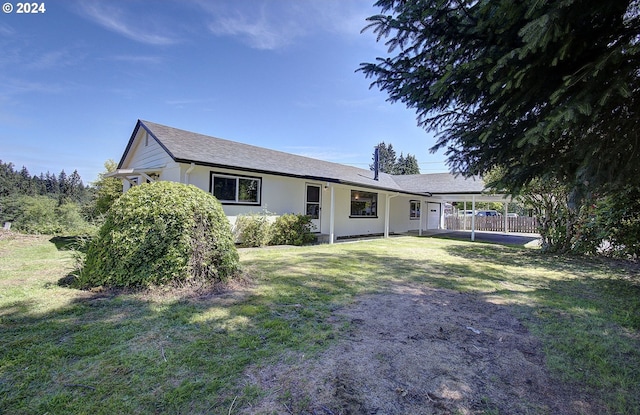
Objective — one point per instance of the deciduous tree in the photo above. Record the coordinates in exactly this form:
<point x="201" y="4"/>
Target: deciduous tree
<point x="109" y="189"/>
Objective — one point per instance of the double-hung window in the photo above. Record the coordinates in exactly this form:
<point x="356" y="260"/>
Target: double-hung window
<point x="236" y="189"/>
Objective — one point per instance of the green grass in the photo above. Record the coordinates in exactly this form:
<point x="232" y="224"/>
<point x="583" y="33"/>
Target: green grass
<point x="76" y="352"/>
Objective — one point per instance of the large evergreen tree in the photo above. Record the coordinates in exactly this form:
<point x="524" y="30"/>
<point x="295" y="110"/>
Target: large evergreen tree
<point x="542" y="88"/>
<point x="407" y="165"/>
<point x="7" y="179"/>
<point x="386" y="158"/>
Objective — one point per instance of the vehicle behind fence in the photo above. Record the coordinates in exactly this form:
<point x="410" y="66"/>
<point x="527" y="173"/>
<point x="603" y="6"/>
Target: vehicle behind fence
<point x="523" y="224"/>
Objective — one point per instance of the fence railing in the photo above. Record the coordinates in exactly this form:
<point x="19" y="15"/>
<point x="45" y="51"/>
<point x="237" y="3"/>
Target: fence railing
<point x="523" y="224"/>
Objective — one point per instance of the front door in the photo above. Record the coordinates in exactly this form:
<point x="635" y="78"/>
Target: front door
<point x="312" y="205"/>
<point x="433" y="216"/>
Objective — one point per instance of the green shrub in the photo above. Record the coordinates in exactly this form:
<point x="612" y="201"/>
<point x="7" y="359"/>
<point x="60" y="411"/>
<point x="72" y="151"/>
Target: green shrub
<point x="290" y="229"/>
<point x="253" y="230"/>
<point x="611" y="226"/>
<point x="44" y="215"/>
<point x="161" y="233"/>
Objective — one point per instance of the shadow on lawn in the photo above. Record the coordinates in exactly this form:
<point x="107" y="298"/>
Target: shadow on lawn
<point x="121" y="351"/>
<point x="70" y="243"/>
<point x="584" y="310"/>
<point x="522" y="257"/>
<point x="126" y="352"/>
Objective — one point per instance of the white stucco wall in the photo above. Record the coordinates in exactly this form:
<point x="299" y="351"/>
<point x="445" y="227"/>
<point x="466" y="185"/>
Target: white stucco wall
<point x="280" y="195"/>
<point x="399" y="219"/>
<point x="344" y="224"/>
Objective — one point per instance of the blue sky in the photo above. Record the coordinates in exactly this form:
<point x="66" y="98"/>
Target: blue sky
<point x="274" y="73"/>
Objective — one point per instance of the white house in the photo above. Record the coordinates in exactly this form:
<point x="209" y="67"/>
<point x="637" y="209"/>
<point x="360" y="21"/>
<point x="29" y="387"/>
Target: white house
<point x="342" y="200"/>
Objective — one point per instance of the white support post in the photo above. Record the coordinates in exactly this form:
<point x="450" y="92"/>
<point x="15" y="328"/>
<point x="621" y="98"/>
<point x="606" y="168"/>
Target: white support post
<point x="473" y="218"/>
<point x="387" y="205"/>
<point x="464" y="216"/>
<point x="506" y="218"/>
<point x="422" y="202"/>
<point x="386" y="213"/>
<point x="332" y="212"/>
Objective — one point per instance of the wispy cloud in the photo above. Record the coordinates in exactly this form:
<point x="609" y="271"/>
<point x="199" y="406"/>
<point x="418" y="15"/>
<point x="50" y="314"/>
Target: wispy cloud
<point x="275" y="24"/>
<point x="358" y="103"/>
<point x="116" y="20"/>
<point x="181" y="103"/>
<point x="54" y="59"/>
<point x="19" y="86"/>
<point x="6" y="30"/>
<point x="149" y="59"/>
<point x="321" y="153"/>
<point x="257" y="28"/>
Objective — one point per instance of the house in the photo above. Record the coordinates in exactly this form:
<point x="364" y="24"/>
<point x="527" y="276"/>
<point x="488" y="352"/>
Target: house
<point x="342" y="200"/>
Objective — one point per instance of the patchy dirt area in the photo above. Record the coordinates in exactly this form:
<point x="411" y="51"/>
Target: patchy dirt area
<point x="420" y="351"/>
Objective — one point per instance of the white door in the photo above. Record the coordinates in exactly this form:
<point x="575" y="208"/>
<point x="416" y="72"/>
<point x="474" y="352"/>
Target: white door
<point x="433" y="215"/>
<point x="312" y="205"/>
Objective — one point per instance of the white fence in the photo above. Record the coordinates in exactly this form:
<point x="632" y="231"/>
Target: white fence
<point x="523" y="224"/>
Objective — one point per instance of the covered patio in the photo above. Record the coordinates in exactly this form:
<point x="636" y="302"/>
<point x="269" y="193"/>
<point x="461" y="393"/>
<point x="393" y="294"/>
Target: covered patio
<point x="446" y="189"/>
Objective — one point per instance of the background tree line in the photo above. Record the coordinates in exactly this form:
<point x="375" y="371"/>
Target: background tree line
<point x="54" y="204"/>
<point x="389" y="163"/>
<point x="62" y="186"/>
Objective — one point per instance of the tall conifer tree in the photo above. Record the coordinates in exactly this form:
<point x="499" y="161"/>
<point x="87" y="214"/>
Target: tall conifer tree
<point x="541" y="88"/>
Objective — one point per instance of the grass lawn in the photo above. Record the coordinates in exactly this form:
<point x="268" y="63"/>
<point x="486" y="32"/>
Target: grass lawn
<point x="65" y="351"/>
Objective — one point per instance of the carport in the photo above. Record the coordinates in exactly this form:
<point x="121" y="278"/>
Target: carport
<point x="447" y="188"/>
<point x="469" y="201"/>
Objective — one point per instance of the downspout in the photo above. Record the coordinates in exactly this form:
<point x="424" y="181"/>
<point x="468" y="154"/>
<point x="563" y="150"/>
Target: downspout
<point x="188" y="172"/>
<point x="386" y="214"/>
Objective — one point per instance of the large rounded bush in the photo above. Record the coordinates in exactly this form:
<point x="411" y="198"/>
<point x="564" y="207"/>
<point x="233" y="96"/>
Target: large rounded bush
<point x="159" y="233"/>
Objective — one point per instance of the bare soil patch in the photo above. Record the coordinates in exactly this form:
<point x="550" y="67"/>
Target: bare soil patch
<point x="420" y="351"/>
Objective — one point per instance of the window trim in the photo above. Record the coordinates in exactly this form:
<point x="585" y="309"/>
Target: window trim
<point x="411" y="210"/>
<point x="237" y="177"/>
<point x="375" y="205"/>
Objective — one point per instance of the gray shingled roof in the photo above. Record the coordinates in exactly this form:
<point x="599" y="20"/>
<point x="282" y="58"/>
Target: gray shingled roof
<point x="189" y="147"/>
<point x="440" y="183"/>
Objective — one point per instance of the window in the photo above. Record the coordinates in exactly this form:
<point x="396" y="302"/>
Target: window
<point x="414" y="209"/>
<point x="236" y="189"/>
<point x="364" y="204"/>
